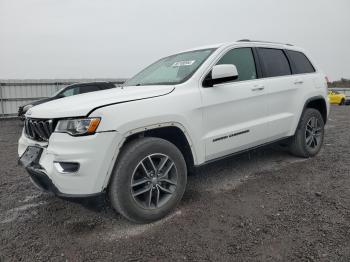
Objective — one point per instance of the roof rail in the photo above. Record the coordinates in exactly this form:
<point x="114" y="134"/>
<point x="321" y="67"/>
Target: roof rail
<point x="258" y="41"/>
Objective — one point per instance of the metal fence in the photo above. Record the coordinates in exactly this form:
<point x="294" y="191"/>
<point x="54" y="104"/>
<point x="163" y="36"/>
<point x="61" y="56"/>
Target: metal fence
<point x="345" y="91"/>
<point x="14" y="93"/>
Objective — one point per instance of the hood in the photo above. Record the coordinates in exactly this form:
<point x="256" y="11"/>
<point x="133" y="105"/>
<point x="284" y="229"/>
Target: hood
<point x="44" y="100"/>
<point x="81" y="105"/>
<point x="38" y="102"/>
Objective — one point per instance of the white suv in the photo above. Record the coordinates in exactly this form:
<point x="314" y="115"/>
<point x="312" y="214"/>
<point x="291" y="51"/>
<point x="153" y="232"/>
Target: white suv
<point x="136" y="144"/>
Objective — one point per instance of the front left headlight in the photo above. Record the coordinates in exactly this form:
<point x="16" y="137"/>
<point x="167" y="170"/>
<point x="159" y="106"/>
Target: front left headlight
<point x="78" y="126"/>
<point x="26" y="108"/>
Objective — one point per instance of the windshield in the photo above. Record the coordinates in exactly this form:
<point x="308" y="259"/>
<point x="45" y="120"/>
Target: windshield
<point x="57" y="92"/>
<point x="173" y="69"/>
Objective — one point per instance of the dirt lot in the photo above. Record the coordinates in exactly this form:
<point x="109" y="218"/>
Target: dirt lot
<point x="260" y="206"/>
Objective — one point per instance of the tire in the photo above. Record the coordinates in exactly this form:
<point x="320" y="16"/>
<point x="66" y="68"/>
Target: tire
<point x="342" y="102"/>
<point x="307" y="141"/>
<point x="164" y="189"/>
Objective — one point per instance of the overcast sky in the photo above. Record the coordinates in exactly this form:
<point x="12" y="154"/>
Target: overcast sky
<point x="105" y="38"/>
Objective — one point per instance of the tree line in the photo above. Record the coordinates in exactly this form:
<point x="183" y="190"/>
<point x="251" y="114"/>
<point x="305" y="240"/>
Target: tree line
<point x="340" y="83"/>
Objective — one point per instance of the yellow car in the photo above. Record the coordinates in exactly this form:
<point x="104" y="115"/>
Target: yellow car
<point x="336" y="98"/>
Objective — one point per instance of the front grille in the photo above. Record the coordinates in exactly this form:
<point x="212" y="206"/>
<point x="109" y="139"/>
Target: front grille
<point x="20" y="110"/>
<point x="39" y="129"/>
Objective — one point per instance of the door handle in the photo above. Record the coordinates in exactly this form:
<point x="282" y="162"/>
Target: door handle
<point x="258" y="88"/>
<point x="299" y="82"/>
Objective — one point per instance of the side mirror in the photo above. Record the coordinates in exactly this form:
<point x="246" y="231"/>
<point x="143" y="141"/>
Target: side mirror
<point x="221" y="74"/>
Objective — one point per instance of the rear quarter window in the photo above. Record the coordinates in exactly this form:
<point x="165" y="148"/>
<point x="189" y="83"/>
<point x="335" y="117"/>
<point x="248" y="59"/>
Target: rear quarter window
<point x="300" y="63"/>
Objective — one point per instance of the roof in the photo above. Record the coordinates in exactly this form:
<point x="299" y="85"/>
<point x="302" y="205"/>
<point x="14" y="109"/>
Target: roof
<point x="247" y="41"/>
<point x="259" y="41"/>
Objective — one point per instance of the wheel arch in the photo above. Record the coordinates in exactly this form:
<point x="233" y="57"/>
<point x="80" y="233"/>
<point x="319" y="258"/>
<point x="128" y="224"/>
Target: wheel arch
<point x="173" y="132"/>
<point x="318" y="103"/>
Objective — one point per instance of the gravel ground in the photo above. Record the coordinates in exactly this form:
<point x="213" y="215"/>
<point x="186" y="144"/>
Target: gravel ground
<point x="260" y="206"/>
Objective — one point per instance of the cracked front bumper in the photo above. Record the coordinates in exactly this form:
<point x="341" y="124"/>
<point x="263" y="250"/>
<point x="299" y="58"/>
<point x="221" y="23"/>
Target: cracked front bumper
<point x="95" y="154"/>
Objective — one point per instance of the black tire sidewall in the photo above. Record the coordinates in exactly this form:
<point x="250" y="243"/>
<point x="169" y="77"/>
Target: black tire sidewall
<point x="308" y="114"/>
<point x="120" y="186"/>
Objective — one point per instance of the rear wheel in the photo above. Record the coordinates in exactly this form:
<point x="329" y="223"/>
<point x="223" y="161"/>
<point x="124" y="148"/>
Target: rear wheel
<point x="308" y="138"/>
<point x="342" y="102"/>
<point x="149" y="180"/>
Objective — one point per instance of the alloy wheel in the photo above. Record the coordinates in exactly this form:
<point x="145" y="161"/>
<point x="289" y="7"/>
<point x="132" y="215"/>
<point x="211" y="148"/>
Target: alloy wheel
<point x="153" y="181"/>
<point x="313" y="133"/>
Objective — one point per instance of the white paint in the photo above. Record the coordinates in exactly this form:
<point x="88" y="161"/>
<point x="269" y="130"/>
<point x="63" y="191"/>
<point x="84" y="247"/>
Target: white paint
<point x="223" y="71"/>
<point x="221" y="120"/>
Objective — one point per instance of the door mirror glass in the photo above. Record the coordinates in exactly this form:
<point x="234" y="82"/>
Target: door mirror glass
<point x="221" y="74"/>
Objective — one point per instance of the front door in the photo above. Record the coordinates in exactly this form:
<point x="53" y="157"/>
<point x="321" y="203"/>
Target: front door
<point x="235" y="113"/>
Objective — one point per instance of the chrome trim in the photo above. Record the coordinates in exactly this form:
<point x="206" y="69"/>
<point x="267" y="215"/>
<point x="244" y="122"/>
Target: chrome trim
<point x="38" y="129"/>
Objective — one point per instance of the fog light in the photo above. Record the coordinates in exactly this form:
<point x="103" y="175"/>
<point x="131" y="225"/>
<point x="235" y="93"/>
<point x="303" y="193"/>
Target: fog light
<point x="66" y="167"/>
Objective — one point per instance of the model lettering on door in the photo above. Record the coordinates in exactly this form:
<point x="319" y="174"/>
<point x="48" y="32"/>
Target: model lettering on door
<point x="231" y="135"/>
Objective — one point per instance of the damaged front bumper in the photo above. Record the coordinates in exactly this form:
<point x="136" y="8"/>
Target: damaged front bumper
<point x="94" y="155"/>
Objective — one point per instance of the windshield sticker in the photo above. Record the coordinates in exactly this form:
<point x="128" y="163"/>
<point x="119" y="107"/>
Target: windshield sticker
<point x="183" y="63"/>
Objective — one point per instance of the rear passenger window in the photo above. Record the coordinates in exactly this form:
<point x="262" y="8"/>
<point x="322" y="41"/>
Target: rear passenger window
<point x="300" y="63"/>
<point x="243" y="59"/>
<point x="274" y="62"/>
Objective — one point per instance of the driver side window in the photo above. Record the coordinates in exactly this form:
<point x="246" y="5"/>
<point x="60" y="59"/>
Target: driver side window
<point x="243" y="59"/>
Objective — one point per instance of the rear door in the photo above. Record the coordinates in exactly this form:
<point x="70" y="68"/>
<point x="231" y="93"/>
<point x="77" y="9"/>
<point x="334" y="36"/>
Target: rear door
<point x="235" y="113"/>
<point x="283" y="90"/>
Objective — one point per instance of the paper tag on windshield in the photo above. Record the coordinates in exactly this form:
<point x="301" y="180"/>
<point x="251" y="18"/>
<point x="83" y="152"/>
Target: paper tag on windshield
<point x="183" y="63"/>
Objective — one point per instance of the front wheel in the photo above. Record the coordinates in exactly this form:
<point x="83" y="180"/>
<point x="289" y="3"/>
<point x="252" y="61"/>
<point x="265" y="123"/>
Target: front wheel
<point x="149" y="180"/>
<point x="308" y="138"/>
<point x="342" y="102"/>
